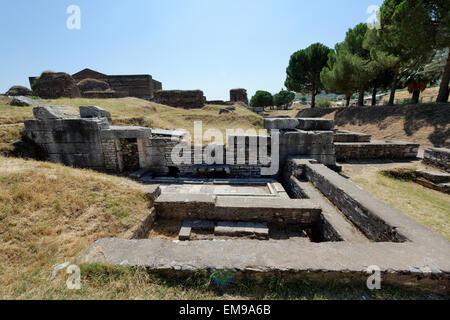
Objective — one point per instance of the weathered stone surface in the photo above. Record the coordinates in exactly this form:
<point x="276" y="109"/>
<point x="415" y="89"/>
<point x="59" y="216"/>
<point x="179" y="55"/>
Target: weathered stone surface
<point x="349" y="136"/>
<point x="280" y="123"/>
<point x="90" y="84"/>
<point x="145" y="226"/>
<point x="436" y="177"/>
<point x="257" y="230"/>
<point x="19" y="91"/>
<point x="185" y="232"/>
<point x="309" y="124"/>
<point x="205" y="225"/>
<point x="438" y="157"/>
<point x="52" y="85"/>
<point x="334" y="227"/>
<point x="180" y="98"/>
<point x="239" y="95"/>
<point x="376" y="150"/>
<point x="153" y="191"/>
<point x="405" y="263"/>
<point x="95" y="112"/>
<point x="125" y="132"/>
<point x="21" y="101"/>
<point x="54" y="112"/>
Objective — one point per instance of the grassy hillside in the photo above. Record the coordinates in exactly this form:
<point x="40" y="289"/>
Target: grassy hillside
<point x="142" y="112"/>
<point x="427" y="124"/>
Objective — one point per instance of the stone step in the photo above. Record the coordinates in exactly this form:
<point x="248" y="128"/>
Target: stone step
<point x="242" y="229"/>
<point x="442" y="187"/>
<point x="432" y="176"/>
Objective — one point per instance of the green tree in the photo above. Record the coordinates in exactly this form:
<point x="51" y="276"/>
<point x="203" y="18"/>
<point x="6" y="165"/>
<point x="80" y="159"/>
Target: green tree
<point x="283" y="98"/>
<point x="386" y="58"/>
<point x="303" y="72"/>
<point x="417" y="29"/>
<point x="261" y="99"/>
<point x="337" y="77"/>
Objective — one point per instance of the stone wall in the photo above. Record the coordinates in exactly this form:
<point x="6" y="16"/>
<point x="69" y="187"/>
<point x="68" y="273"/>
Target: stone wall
<point x="376" y="150"/>
<point x="139" y="86"/>
<point x="239" y="95"/>
<point x="305" y="136"/>
<point x="349" y="136"/>
<point x="438" y="157"/>
<point x="180" y="99"/>
<point x="90" y="141"/>
<point x="372" y="217"/>
<point x="74" y="142"/>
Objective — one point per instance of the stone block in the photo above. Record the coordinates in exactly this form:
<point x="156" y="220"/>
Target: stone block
<point x="125" y="132"/>
<point x="242" y="229"/>
<point x="21" y="101"/>
<point x="280" y="123"/>
<point x="54" y="112"/>
<point x="94" y="112"/>
<point x="315" y="124"/>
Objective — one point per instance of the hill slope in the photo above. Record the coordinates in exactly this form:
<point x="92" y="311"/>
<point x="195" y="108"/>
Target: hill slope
<point x="427" y="124"/>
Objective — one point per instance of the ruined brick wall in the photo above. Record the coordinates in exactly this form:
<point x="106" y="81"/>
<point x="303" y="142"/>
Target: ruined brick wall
<point x="180" y="99"/>
<point x="139" y="86"/>
<point x="157" y="157"/>
<point x="110" y="155"/>
<point x="375" y="150"/>
<point x="239" y="95"/>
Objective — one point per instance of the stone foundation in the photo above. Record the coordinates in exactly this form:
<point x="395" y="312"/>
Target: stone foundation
<point x="180" y="99"/>
<point x="438" y="157"/>
<point x="376" y="150"/>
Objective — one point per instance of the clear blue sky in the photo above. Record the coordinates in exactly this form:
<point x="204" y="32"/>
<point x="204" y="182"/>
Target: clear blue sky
<point x="210" y="45"/>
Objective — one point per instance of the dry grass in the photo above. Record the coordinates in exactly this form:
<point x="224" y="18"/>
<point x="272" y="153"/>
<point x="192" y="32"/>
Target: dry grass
<point x="428" y="207"/>
<point x="50" y="213"/>
<point x="428" y="95"/>
<point x="134" y="111"/>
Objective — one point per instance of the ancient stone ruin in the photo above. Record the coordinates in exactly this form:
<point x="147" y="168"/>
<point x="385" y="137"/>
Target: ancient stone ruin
<point x="239" y="95"/>
<point x="302" y="219"/>
<point x="358" y="146"/>
<point x="139" y="86"/>
<point x="438" y="157"/>
<point x="19" y="91"/>
<point x="180" y="98"/>
<point x="53" y="85"/>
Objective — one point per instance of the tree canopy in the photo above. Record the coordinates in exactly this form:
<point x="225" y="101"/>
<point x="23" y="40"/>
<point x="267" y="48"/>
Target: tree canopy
<point x="303" y="72"/>
<point x="283" y="98"/>
<point x="261" y="99"/>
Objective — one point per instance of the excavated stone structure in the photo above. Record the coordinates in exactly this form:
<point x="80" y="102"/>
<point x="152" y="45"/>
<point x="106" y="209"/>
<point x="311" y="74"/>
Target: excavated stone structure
<point x="302" y="220"/>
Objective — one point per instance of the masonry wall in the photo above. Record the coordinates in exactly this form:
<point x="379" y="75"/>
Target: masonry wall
<point x="74" y="142"/>
<point x="438" y="157"/>
<point x="157" y="157"/>
<point x="374" y="150"/>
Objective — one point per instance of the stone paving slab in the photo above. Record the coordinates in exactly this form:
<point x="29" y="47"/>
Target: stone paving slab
<point x="265" y="256"/>
<point x="257" y="230"/>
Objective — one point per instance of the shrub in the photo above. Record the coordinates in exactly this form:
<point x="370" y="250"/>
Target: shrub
<point x="261" y="99"/>
<point x="324" y="103"/>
